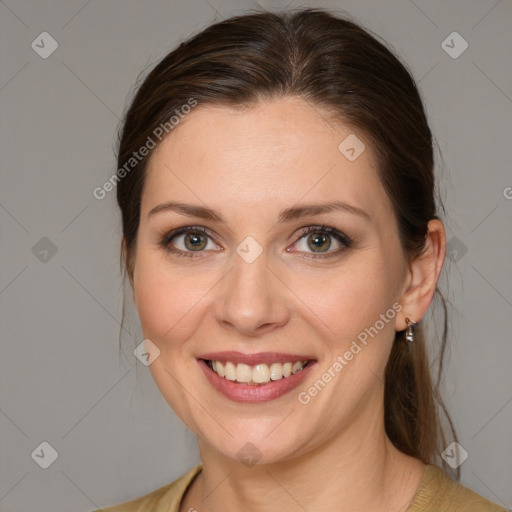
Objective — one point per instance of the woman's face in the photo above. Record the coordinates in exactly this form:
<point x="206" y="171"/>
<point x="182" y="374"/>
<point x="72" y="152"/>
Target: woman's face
<point x="254" y="282"/>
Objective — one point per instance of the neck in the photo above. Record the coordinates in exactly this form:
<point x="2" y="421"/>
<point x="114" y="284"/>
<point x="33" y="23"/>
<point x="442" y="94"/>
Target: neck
<point x="359" y="469"/>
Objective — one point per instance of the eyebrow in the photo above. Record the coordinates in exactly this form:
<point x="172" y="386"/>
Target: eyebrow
<point x="287" y="215"/>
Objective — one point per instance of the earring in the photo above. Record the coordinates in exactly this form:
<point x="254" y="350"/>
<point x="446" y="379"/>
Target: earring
<point x="409" y="335"/>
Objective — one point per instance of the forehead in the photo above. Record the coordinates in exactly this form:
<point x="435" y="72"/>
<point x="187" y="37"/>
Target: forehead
<point x="275" y="153"/>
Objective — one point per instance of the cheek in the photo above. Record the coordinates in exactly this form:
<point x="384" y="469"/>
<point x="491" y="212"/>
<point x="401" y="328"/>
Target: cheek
<point x="168" y="300"/>
<point x="345" y="301"/>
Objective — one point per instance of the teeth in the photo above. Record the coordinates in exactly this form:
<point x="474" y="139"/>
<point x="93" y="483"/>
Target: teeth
<point x="261" y="373"/>
<point x="243" y="373"/>
<point x="276" y="371"/>
<point x="257" y="374"/>
<point x="296" y="367"/>
<point x="229" y="370"/>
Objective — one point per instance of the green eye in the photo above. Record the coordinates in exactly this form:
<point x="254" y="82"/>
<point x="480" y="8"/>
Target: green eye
<point x="195" y="240"/>
<point x="319" y="241"/>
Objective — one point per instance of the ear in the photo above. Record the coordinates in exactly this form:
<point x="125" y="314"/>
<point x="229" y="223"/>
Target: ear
<point x="422" y="276"/>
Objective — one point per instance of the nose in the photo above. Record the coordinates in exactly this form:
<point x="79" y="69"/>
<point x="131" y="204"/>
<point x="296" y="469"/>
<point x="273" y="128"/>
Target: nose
<point x="252" y="300"/>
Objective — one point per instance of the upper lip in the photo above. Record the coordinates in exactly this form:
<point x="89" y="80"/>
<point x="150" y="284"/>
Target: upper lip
<point x="256" y="358"/>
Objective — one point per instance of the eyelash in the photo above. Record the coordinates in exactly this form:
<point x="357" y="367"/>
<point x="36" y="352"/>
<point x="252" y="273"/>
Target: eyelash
<point x="343" y="239"/>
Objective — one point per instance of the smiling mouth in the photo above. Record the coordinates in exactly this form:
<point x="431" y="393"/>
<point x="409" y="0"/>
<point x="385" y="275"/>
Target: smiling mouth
<point x="258" y="374"/>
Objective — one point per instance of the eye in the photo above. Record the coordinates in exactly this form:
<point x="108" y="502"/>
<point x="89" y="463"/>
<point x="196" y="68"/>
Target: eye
<point x="187" y="240"/>
<point x="192" y="241"/>
<point x="318" y="240"/>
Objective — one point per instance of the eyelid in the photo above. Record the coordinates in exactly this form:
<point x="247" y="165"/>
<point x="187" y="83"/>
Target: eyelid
<point x="341" y="237"/>
<point x="168" y="236"/>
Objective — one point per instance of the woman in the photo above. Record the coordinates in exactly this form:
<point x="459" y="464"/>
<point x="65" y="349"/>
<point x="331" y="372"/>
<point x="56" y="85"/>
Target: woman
<point x="282" y="242"/>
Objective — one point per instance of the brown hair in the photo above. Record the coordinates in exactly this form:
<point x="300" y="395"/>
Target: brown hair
<point x="335" y="64"/>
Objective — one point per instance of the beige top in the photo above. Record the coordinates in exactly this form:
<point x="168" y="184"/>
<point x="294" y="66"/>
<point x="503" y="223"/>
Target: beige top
<point x="437" y="492"/>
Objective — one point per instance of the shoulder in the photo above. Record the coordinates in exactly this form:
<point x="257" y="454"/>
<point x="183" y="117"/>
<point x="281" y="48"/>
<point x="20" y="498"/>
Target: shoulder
<point x="437" y="491"/>
<point x="164" y="499"/>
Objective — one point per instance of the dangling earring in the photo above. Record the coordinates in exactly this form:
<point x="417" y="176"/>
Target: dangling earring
<point x="409" y="335"/>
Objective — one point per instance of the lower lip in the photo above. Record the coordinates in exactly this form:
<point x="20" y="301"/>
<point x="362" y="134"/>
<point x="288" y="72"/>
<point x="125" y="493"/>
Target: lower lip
<point x="254" y="393"/>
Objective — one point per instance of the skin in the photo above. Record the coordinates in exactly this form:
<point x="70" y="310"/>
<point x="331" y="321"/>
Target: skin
<point x="249" y="165"/>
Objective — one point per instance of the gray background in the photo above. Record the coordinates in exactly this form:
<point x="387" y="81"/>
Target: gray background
<point x="61" y="377"/>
